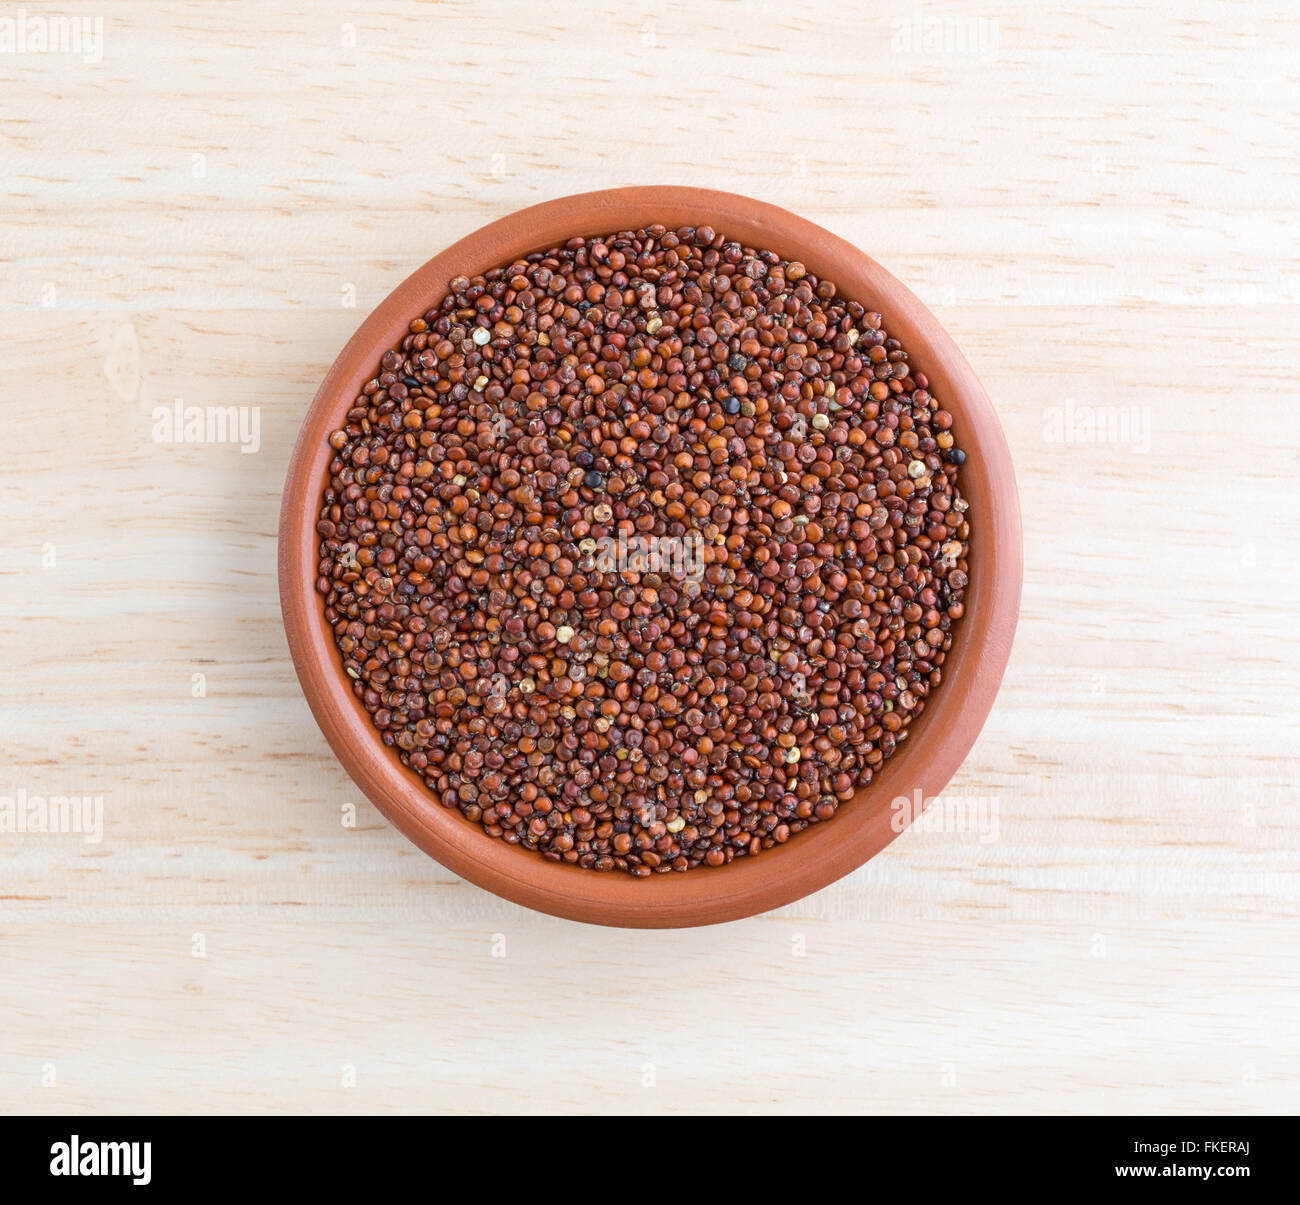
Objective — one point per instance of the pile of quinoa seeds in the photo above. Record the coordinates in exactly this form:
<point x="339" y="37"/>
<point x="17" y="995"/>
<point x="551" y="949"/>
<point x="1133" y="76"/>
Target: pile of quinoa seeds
<point x="644" y="552"/>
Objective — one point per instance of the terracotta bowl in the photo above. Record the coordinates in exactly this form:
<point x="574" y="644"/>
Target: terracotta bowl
<point x="939" y="739"/>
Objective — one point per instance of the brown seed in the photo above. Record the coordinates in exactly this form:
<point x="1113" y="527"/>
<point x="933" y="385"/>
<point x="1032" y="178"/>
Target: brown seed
<point x="504" y="540"/>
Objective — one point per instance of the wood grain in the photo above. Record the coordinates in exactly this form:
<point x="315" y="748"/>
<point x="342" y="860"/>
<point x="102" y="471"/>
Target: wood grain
<point x="1099" y="202"/>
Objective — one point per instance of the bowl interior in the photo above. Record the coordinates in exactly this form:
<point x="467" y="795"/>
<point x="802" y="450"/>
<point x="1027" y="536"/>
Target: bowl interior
<point x="938" y="740"/>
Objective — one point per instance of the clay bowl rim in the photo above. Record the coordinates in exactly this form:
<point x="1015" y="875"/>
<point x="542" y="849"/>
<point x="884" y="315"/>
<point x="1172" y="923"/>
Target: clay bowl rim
<point x="823" y="853"/>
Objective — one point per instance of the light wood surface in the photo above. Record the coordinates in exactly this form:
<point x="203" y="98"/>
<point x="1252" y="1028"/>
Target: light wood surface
<point x="1100" y="203"/>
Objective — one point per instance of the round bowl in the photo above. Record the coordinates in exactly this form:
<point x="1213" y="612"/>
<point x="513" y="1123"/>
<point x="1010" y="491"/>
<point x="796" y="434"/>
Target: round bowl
<point x="938" y="740"/>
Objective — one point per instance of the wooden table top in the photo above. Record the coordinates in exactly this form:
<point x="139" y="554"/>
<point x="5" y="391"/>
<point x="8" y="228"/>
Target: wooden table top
<point x="1100" y="204"/>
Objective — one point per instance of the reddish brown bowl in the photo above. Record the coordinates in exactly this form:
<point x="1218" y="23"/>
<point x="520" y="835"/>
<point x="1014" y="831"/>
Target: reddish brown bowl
<point x="939" y="739"/>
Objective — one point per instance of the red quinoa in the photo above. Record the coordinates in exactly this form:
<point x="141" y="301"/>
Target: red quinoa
<point x="495" y="489"/>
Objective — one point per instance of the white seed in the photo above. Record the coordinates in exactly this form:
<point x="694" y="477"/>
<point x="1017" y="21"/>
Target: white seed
<point x="481" y="384"/>
<point x="564" y="634"/>
<point x="916" y="469"/>
<point x="653" y="323"/>
<point x="820" y="422"/>
<point x="481" y="335"/>
<point x="675" y="825"/>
